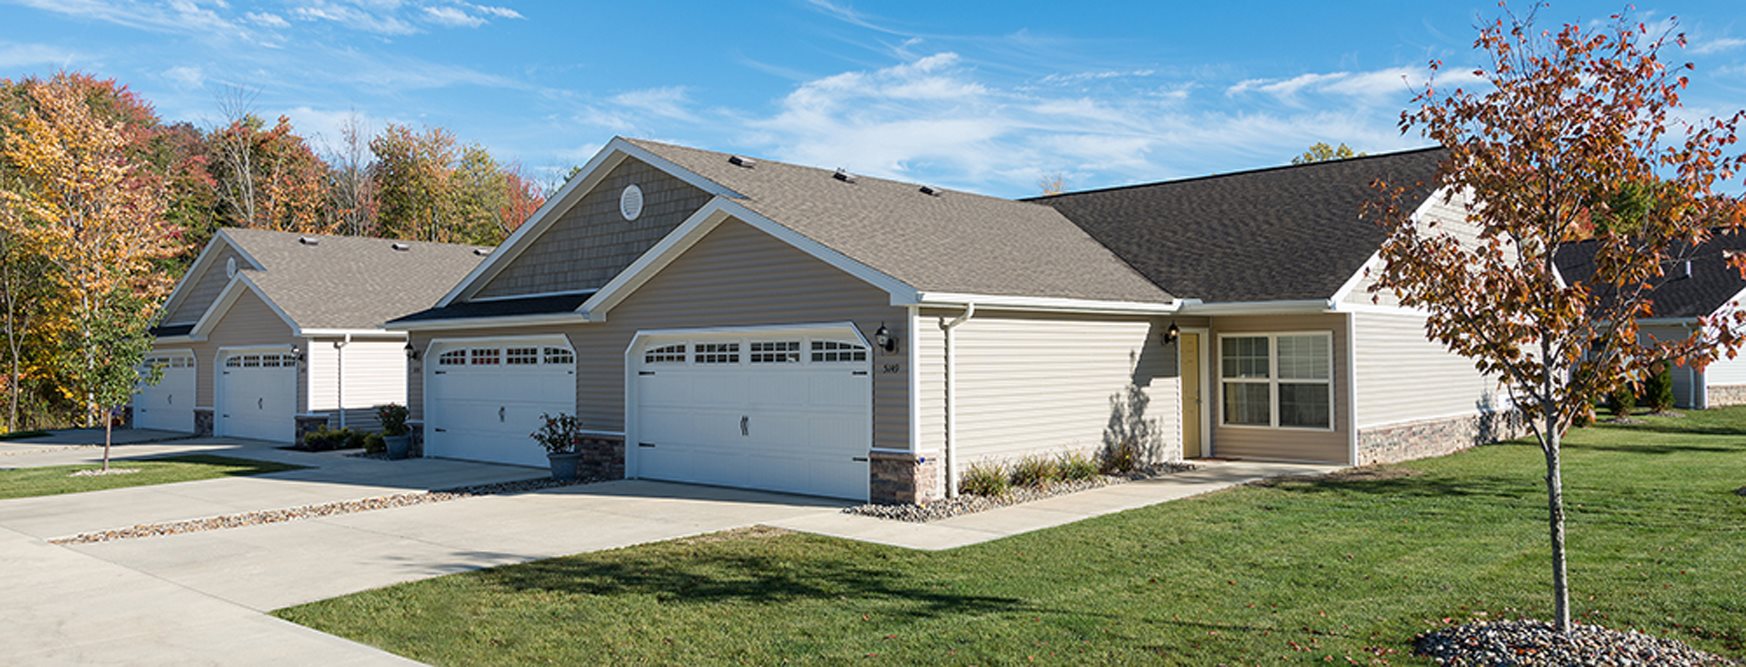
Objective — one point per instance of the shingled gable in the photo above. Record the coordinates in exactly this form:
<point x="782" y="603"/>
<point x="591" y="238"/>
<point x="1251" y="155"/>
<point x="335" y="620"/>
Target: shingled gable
<point x="912" y="242"/>
<point x="336" y="283"/>
<point x="1278" y="234"/>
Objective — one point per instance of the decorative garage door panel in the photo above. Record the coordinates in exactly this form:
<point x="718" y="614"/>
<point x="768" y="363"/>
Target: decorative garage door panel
<point x="169" y="404"/>
<point x="783" y="413"/>
<point x="258" y="396"/>
<point x="484" y="399"/>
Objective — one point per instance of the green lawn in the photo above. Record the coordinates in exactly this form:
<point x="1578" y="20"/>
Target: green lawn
<point x="1301" y="572"/>
<point x="55" y="480"/>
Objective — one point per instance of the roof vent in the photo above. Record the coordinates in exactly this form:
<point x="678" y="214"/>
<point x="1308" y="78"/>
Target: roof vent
<point x="742" y="161"/>
<point x="308" y="240"/>
<point x="1685" y="269"/>
<point x="400" y="246"/>
<point x="481" y="251"/>
<point x="843" y="176"/>
<point x="930" y="191"/>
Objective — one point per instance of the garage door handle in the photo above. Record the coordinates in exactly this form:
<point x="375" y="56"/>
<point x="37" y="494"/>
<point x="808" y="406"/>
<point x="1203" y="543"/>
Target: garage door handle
<point x="261" y="403"/>
<point x="500" y="413"/>
<point x="858" y="459"/>
<point x="442" y="430"/>
<point x="650" y="445"/>
<point x="745" y="425"/>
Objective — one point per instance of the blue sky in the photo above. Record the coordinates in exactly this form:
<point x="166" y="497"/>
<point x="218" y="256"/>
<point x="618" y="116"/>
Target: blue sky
<point x="990" y="97"/>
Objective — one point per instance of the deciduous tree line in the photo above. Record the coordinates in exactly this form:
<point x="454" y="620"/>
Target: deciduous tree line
<point x="103" y="205"/>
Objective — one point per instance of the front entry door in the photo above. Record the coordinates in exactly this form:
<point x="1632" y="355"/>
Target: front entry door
<point x="1189" y="346"/>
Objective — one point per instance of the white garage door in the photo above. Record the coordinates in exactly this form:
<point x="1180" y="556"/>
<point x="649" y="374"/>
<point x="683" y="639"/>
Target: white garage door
<point x="257" y="396"/>
<point x="483" y="399"/>
<point x="169" y="404"/>
<point x="773" y="411"/>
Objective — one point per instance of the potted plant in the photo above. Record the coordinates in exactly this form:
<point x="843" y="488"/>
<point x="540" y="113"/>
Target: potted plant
<point x="561" y="435"/>
<point x="395" y="434"/>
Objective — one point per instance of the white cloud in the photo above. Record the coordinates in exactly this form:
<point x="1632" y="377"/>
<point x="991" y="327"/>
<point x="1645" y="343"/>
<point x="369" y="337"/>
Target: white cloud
<point x="1388" y="85"/>
<point x="186" y="75"/>
<point x="382" y="19"/>
<point x="1704" y="47"/>
<point x="499" y="12"/>
<point x="453" y="16"/>
<point x="267" y="19"/>
<point x="17" y="56"/>
<point x="668" y="102"/>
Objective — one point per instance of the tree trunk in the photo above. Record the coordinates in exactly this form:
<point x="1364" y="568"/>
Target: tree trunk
<point x="1555" y="519"/>
<point x="107" y="423"/>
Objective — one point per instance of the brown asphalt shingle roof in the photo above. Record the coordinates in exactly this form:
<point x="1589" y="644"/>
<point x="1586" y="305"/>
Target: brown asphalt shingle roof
<point x="1285" y="233"/>
<point x="954" y="242"/>
<point x="351" y="282"/>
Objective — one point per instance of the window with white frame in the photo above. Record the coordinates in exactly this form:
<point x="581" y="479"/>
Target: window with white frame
<point x="775" y="352"/>
<point x="453" y="358"/>
<point x="1277" y="380"/>
<point x="561" y="356"/>
<point x="484" y="356"/>
<point x="835" y="351"/>
<point x="665" y="354"/>
<point x="521" y="356"/>
<point x="717" y="353"/>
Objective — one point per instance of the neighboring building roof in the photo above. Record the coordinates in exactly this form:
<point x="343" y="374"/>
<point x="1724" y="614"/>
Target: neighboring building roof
<point x="534" y="305"/>
<point x="952" y="242"/>
<point x="351" y="282"/>
<point x="1712" y="285"/>
<point x="1284" y="233"/>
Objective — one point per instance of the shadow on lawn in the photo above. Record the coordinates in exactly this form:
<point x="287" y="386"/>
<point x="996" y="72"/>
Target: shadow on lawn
<point x="684" y="579"/>
<point x="1398" y="481"/>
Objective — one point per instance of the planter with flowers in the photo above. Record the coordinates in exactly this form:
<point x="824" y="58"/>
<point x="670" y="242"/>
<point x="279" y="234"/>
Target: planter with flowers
<point x="561" y="436"/>
<point x="395" y="434"/>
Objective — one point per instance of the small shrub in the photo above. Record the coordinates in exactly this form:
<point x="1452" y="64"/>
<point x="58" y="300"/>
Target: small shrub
<point x="1658" y="388"/>
<point x="559" y="434"/>
<point x="355" y="439"/>
<point x="393" y="417"/>
<point x="984" y="479"/>
<point x="1036" y="472"/>
<point x="373" y="444"/>
<point x="324" y="439"/>
<point x="1624" y="400"/>
<point x="1118" y="458"/>
<point x="1077" y="467"/>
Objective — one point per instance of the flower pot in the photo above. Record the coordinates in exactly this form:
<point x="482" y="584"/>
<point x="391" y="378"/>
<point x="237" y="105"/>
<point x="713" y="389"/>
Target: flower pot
<point x="399" y="446"/>
<point x="564" y="465"/>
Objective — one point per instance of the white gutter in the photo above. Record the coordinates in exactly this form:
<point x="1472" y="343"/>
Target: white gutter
<point x="1037" y="303"/>
<point x="1351" y="389"/>
<point x="566" y="317"/>
<point x="339" y="380"/>
<point x="951" y="392"/>
<point x="1197" y="307"/>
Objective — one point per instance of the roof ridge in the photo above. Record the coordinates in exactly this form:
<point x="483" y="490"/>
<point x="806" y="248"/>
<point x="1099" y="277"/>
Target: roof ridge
<point x="347" y="237"/>
<point x="1229" y="174"/>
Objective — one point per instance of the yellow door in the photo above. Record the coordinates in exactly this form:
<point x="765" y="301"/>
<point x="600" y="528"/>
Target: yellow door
<point x="1189" y="346"/>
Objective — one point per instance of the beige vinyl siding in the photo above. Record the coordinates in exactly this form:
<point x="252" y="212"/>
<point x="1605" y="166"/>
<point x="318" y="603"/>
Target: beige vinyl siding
<point x="206" y="286"/>
<point x="1450" y="217"/>
<point x="248" y="322"/>
<point x="1284" y="444"/>
<point x="1404" y="376"/>
<point x="592" y="242"/>
<point x="375" y="374"/>
<point x="736" y="276"/>
<point x="1031" y="383"/>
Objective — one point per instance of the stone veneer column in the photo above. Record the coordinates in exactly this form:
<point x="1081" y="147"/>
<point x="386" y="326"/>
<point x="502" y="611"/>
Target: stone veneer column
<point x="307" y="423"/>
<point x="903" y="478"/>
<point x="1725" y="395"/>
<point x="1422" y="439"/>
<point x="203" y="422"/>
<point x="415" y="428"/>
<point x="602" y="457"/>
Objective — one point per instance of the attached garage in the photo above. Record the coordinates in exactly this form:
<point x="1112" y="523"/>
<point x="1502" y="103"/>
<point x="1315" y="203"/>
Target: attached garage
<point x="257" y="395"/>
<point x="787" y="409"/>
<point x="169" y="404"/>
<point x="484" y="397"/>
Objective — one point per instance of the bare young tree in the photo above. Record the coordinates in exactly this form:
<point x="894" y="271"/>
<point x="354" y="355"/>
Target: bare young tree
<point x="233" y="153"/>
<point x="351" y="186"/>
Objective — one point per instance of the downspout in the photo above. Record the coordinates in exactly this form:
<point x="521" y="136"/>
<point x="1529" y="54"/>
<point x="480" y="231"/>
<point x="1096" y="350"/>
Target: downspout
<point x="339" y="352"/>
<point x="951" y="392"/>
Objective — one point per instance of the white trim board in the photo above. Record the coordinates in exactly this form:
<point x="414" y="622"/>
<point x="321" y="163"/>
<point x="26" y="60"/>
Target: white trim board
<point x="603" y="162"/>
<point x="227" y="298"/>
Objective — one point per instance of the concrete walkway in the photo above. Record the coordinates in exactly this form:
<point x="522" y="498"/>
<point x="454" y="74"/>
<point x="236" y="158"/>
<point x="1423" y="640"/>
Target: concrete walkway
<point x="1047" y="513"/>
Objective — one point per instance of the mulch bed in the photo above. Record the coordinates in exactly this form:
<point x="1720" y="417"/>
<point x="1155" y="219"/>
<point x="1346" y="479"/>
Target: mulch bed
<point x="971" y="504"/>
<point x="264" y="517"/>
<point x="1531" y="642"/>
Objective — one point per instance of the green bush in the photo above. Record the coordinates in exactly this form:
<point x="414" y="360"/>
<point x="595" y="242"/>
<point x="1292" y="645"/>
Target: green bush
<point x="324" y="439"/>
<point x="1624" y="400"/>
<point x="984" y="479"/>
<point x="373" y="444"/>
<point x="1658" y="389"/>
<point x="1118" y="458"/>
<point x="1077" y="467"/>
<point x="393" y="417"/>
<point x="1036" y="472"/>
<point x="355" y="439"/>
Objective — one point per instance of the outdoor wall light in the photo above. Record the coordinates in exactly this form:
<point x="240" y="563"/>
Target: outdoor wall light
<point x="1172" y="333"/>
<point x="297" y="353"/>
<point x="884" y="339"/>
<point x="411" y="352"/>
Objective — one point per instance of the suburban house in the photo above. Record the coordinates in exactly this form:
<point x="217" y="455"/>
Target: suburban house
<point x="1701" y="286"/>
<point x="271" y="334"/>
<point x="727" y="320"/>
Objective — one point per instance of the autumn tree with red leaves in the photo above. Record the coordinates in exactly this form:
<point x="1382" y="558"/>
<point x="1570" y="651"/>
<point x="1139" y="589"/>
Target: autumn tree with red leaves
<point x="1575" y="136"/>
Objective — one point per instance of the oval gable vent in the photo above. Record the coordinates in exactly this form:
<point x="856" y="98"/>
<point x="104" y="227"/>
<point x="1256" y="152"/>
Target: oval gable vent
<point x="630" y="202"/>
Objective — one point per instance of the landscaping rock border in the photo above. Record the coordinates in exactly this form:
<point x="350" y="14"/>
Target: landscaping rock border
<point x="336" y="508"/>
<point x="1532" y="642"/>
<point x="971" y="504"/>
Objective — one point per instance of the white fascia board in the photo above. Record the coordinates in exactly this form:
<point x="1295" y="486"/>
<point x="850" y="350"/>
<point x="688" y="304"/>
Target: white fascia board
<point x="232" y="291"/>
<point x="573" y="190"/>
<point x="1044" y="304"/>
<point x="172" y="340"/>
<point x="700" y="223"/>
<point x="1356" y="277"/>
<point x="203" y="263"/>
<point x="353" y="332"/>
<point x="1196" y="307"/>
<point x="566" y="317"/>
<point x="535" y="295"/>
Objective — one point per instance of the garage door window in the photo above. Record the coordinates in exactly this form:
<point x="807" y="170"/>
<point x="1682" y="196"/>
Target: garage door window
<point x="522" y="356"/>
<point x="718" y="353"/>
<point x="559" y="356"/>
<point x="776" y="352"/>
<point x="827" y="351"/>
<point x="665" y="354"/>
<point x="452" y="358"/>
<point x="483" y="356"/>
